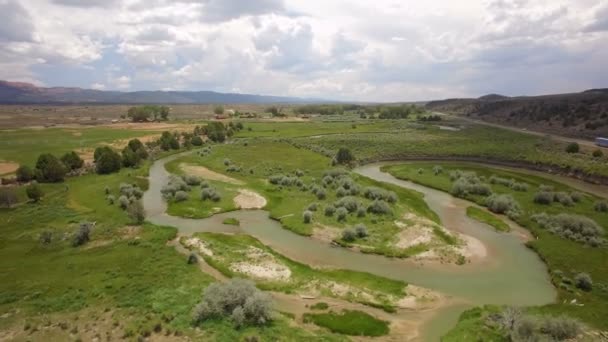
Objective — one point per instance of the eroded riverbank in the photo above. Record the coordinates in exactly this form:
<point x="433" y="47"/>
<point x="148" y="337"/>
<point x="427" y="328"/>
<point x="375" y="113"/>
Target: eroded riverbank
<point x="510" y="274"/>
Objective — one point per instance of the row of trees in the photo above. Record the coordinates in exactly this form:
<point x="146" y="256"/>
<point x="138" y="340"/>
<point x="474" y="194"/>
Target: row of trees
<point x="49" y="168"/>
<point x="145" y="113"/>
<point x="107" y="160"/>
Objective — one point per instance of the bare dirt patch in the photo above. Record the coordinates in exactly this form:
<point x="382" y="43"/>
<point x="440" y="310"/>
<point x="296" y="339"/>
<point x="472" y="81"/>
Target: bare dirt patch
<point x="205" y="173"/>
<point x="8" y="167"/>
<point x="473" y="248"/>
<point x="261" y="265"/>
<point x="199" y="245"/>
<point x="86" y="154"/>
<point x="119" y="144"/>
<point x="325" y="233"/>
<point x="247" y="199"/>
<point x="147" y="126"/>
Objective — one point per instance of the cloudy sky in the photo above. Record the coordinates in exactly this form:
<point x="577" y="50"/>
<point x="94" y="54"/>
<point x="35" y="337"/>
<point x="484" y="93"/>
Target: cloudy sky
<point x="380" y="50"/>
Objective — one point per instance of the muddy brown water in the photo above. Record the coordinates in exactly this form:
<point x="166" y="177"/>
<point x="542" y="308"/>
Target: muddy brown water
<point x="510" y="274"/>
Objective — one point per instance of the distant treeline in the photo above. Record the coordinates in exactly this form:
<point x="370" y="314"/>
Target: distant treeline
<point x="380" y="111"/>
<point x="145" y="113"/>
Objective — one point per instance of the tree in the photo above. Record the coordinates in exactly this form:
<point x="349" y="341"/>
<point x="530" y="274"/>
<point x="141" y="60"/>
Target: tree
<point x="164" y="113"/>
<point x="196" y="141"/>
<point x="34" y="191"/>
<point x="216" y="131"/>
<point x="135" y="144"/>
<point x="72" y="160"/>
<point x="8" y="196"/>
<point x="344" y="156"/>
<point x="50" y="169"/>
<point x="572" y="148"/>
<point x="129" y="158"/>
<point x="218" y="110"/>
<point x="99" y="151"/>
<point x="275" y="111"/>
<point x="108" y="162"/>
<point x="168" y="141"/>
<point x="24" y="174"/>
<point x="136" y="212"/>
<point x="138" y="114"/>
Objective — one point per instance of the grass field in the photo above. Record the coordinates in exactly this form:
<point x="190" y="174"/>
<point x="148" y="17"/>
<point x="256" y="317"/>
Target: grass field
<point x="127" y="283"/>
<point x="488" y="218"/>
<point x="350" y="322"/>
<point x="417" y="140"/>
<point x="25" y="145"/>
<point x="565" y="258"/>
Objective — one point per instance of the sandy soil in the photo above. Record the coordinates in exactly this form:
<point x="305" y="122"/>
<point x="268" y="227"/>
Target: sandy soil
<point x="325" y="233"/>
<point x="261" y="265"/>
<point x="473" y="248"/>
<point x="413" y="235"/>
<point x="247" y="199"/>
<point x="148" y="126"/>
<point x="199" y="245"/>
<point x="266" y="270"/>
<point x="86" y="154"/>
<point x="120" y="144"/>
<point x="205" y="173"/>
<point x="8" y="167"/>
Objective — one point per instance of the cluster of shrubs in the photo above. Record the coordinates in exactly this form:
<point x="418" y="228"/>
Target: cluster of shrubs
<point x="520" y="327"/>
<point x="129" y="200"/>
<point x="176" y="189"/>
<point x="209" y="193"/>
<point x="378" y="194"/>
<point x="503" y="204"/>
<point x="467" y="183"/>
<point x="231" y="167"/>
<point x="546" y="196"/>
<point x="205" y="151"/>
<point x="510" y="183"/>
<point x="601" y="207"/>
<point x="573" y="227"/>
<point x="359" y="232"/>
<point x="581" y="280"/>
<point x="238" y="299"/>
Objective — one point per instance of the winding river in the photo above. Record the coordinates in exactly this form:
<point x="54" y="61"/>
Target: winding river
<point x="510" y="274"/>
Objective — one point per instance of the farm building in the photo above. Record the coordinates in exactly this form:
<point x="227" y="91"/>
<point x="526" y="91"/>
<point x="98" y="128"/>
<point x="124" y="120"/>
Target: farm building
<point x="601" y="142"/>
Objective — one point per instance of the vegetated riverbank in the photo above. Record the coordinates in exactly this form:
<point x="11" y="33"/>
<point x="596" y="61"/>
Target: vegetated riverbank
<point x="310" y="197"/>
<point x="564" y="257"/>
<point x="487" y="284"/>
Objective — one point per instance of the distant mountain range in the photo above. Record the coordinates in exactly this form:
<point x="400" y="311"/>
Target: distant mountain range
<point x="26" y="93"/>
<point x="583" y="114"/>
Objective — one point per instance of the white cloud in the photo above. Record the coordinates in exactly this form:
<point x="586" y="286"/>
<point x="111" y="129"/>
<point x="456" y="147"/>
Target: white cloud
<point x="384" y="50"/>
<point x="98" y="86"/>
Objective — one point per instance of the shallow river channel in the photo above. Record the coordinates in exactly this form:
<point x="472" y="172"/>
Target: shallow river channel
<point x="509" y="274"/>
